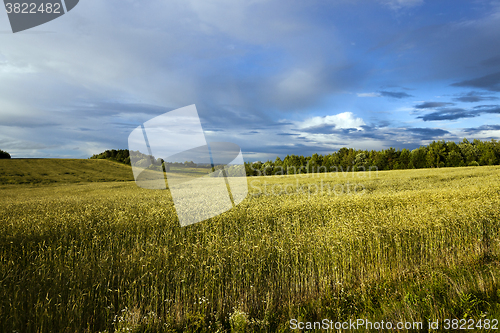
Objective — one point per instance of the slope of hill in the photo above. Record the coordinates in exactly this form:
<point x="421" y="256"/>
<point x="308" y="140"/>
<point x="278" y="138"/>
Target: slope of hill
<point x="47" y="171"/>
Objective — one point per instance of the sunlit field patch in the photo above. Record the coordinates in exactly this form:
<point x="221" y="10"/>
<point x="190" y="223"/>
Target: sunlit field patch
<point x="413" y="245"/>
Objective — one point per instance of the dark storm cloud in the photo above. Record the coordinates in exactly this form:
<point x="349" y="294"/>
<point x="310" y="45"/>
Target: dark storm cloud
<point x="491" y="62"/>
<point x="427" y="132"/>
<point x="494" y="109"/>
<point x="449" y="114"/>
<point x="364" y="132"/>
<point x="469" y="99"/>
<point x="432" y="105"/>
<point x="489" y="82"/>
<point x="288" y="134"/>
<point x="394" y="94"/>
<point x="474" y="97"/>
<point x="458" y="113"/>
<point x="327" y="138"/>
<point x="475" y="130"/>
<point x="393" y="134"/>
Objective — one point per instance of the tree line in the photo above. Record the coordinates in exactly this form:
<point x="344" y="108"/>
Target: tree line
<point x="4" y="154"/>
<point x="120" y="155"/>
<point x="143" y="160"/>
<point x="438" y="154"/>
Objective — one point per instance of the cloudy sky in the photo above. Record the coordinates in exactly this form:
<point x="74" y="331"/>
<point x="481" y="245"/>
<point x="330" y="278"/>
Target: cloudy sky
<point x="276" y="77"/>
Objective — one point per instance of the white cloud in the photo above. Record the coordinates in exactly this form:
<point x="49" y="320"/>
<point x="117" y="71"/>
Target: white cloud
<point x="341" y="120"/>
<point x="370" y="94"/>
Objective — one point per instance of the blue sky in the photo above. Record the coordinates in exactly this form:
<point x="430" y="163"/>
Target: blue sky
<point x="275" y="77"/>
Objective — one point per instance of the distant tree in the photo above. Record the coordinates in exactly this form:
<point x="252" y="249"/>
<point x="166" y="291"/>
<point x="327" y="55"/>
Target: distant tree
<point x="380" y="161"/>
<point x="248" y="169"/>
<point x="392" y="157"/>
<point x="335" y="159"/>
<point x="469" y="151"/>
<point x="347" y="157"/>
<point x="313" y="163"/>
<point x="4" y="154"/>
<point x="121" y="155"/>
<point x="436" y="154"/>
<point x="360" y="162"/>
<point x="278" y="168"/>
<point x="292" y="164"/>
<point x="254" y="169"/>
<point x="371" y="157"/>
<point x="418" y="157"/>
<point x="454" y="159"/>
<point x="328" y="164"/>
<point x="487" y="154"/>
<point x="404" y="159"/>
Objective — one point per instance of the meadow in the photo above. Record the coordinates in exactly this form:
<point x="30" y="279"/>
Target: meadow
<point x="408" y="245"/>
<point x="61" y="171"/>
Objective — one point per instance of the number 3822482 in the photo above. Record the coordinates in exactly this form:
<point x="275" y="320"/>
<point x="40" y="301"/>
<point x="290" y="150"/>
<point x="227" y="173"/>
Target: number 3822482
<point x="33" y="8"/>
<point x="471" y="324"/>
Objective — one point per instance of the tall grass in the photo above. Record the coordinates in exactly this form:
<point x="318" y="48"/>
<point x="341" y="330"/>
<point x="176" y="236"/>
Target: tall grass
<point x="416" y="245"/>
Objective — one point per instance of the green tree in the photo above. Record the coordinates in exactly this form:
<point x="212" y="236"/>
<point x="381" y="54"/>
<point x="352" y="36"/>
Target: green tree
<point x="469" y="151"/>
<point x="360" y="162"/>
<point x="436" y="154"/>
<point x="121" y="155"/>
<point x="454" y="159"/>
<point x="380" y="161"/>
<point x="267" y="168"/>
<point x="404" y="159"/>
<point x="418" y="157"/>
<point x="292" y="164"/>
<point x="313" y="163"/>
<point x="487" y="154"/>
<point x="4" y="154"/>
<point x="392" y="157"/>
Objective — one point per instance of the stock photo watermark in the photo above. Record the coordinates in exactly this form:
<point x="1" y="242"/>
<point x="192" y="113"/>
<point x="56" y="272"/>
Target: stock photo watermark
<point x="204" y="179"/>
<point x="367" y="325"/>
<point x="260" y="187"/>
<point x="331" y="181"/>
<point x="25" y="15"/>
<point x="207" y="179"/>
<point x="356" y="324"/>
<point x="316" y="171"/>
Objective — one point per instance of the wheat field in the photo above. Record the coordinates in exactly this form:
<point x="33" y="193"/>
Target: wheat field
<point x="413" y="245"/>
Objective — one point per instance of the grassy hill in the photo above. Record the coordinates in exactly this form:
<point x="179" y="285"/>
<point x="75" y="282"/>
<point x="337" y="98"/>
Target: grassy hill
<point x="47" y="171"/>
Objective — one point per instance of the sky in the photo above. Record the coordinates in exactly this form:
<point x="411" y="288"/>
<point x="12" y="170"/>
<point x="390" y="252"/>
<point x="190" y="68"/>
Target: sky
<point x="275" y="77"/>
